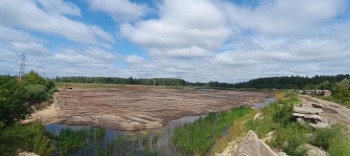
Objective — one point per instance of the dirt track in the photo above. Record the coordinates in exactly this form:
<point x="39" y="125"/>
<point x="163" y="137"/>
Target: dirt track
<point x="332" y="112"/>
<point x="131" y="108"/>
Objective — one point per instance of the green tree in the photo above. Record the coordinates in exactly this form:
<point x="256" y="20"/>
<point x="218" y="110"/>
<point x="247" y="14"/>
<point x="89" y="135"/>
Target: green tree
<point x="325" y="85"/>
<point x="12" y="100"/>
<point x="341" y="89"/>
<point x="33" y="78"/>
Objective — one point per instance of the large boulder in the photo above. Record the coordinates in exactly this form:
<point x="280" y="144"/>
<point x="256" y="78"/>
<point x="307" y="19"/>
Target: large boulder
<point x="313" y="117"/>
<point x="319" y="125"/>
<point x="252" y="146"/>
<point x="307" y="110"/>
<point x="317" y="105"/>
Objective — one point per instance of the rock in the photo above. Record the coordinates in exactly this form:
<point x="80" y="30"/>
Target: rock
<point x="315" y="117"/>
<point x="282" y="154"/>
<point x="298" y="115"/>
<point x="258" y="116"/>
<point x="24" y="153"/>
<point x="301" y="121"/>
<point x="307" y="110"/>
<point x="315" y="151"/>
<point x="319" y="125"/>
<point x="252" y="146"/>
<point x="317" y="105"/>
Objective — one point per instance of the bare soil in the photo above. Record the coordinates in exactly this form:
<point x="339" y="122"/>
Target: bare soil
<point x="135" y="108"/>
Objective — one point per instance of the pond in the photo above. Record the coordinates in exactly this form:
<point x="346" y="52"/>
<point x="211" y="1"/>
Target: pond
<point x="147" y="142"/>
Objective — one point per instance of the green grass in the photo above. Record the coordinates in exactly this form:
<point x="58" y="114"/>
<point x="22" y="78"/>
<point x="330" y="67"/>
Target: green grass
<point x="332" y="140"/>
<point x="198" y="137"/>
<point x="31" y="138"/>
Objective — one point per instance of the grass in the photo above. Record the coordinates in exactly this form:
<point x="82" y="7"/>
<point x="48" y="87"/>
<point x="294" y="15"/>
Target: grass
<point x="198" y="137"/>
<point x="288" y="135"/>
<point x="30" y="138"/>
<point x="235" y="133"/>
<point x="332" y="140"/>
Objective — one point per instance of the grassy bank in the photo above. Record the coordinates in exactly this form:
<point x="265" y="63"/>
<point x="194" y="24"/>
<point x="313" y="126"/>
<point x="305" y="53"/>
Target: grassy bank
<point x="198" y="137"/>
<point x="284" y="133"/>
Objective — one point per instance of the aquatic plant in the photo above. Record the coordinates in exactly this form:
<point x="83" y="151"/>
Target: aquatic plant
<point x="69" y="139"/>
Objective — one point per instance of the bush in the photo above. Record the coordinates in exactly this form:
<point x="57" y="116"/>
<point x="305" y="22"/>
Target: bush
<point x="31" y="137"/>
<point x="12" y="99"/>
<point x="37" y="93"/>
<point x="33" y="78"/>
<point x="333" y="140"/>
<point x="283" y="111"/>
<point x="50" y="84"/>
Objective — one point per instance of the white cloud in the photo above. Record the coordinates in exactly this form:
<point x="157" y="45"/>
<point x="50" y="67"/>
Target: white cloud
<point x="134" y="59"/>
<point x="120" y="10"/>
<point x="283" y="16"/>
<point x="10" y="34"/>
<point x="60" y="7"/>
<point x="27" y="15"/>
<point x="85" y="56"/>
<point x="182" y="25"/>
<point x="198" y="40"/>
<point x="29" y="47"/>
<point x="190" y="52"/>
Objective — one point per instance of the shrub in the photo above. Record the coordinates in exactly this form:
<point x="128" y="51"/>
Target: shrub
<point x="283" y="111"/>
<point x="50" y="84"/>
<point x="31" y="137"/>
<point x="333" y="140"/>
<point x="33" y="78"/>
<point x="37" y="93"/>
<point x="12" y="98"/>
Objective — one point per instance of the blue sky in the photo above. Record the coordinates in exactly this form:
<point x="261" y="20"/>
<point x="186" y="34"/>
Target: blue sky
<point x="196" y="40"/>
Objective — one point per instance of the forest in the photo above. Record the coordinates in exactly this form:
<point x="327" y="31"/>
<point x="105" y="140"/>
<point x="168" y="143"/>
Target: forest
<point x="282" y="82"/>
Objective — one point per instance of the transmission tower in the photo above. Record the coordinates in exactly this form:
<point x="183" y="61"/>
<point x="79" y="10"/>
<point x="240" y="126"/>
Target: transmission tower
<point x="23" y="65"/>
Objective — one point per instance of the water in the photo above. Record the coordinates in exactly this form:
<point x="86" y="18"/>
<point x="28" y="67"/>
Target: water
<point x="138" y="143"/>
<point x="263" y="104"/>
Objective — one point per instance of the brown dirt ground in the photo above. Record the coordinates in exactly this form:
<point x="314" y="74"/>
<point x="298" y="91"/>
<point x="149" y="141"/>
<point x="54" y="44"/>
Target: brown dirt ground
<point x="332" y="112"/>
<point x="136" y="108"/>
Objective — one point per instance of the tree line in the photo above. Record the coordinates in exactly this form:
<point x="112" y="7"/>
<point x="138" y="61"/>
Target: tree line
<point x="293" y="82"/>
<point x="283" y="82"/>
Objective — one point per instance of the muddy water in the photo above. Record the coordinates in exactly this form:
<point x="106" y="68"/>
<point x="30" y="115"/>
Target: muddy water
<point x="135" y="144"/>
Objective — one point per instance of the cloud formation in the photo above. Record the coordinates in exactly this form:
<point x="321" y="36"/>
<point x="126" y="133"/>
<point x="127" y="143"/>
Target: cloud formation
<point x="197" y="40"/>
<point x="26" y="14"/>
<point x="120" y="10"/>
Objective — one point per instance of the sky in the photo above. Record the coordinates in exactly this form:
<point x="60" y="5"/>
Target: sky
<point x="195" y="40"/>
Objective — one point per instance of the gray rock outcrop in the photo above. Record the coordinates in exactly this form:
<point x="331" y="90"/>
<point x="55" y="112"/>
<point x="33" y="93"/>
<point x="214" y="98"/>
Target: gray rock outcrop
<point x="307" y="110"/>
<point x="252" y="146"/>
